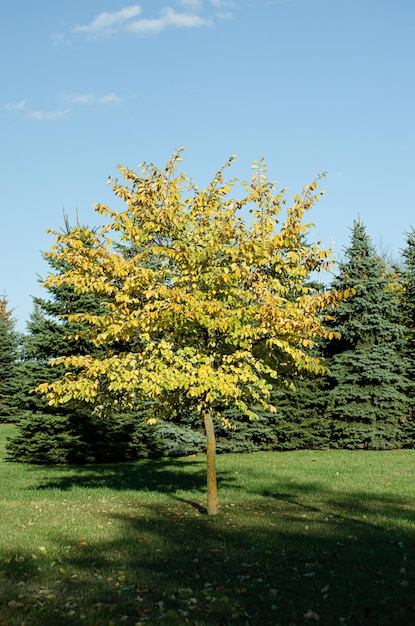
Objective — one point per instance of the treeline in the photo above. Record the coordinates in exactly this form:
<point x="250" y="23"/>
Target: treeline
<point x="179" y="327"/>
<point x="364" y="400"/>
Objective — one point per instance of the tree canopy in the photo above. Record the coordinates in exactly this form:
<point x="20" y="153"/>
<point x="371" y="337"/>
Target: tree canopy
<point x="71" y="432"/>
<point x="210" y="306"/>
<point x="9" y="353"/>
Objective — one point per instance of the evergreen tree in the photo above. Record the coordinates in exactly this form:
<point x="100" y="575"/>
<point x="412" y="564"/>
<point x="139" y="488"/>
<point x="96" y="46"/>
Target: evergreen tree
<point x="9" y="353"/>
<point x="407" y="306"/>
<point x="367" y="400"/>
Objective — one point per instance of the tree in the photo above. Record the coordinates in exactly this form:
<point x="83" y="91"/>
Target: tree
<point x="367" y="372"/>
<point x="69" y="433"/>
<point x="301" y="421"/>
<point x="407" y="307"/>
<point x="222" y="313"/>
<point x="9" y="355"/>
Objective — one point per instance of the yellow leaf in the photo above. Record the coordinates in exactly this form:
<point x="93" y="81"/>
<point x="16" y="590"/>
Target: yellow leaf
<point x="15" y="605"/>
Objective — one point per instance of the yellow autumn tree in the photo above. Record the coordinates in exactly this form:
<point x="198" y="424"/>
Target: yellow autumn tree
<point x="206" y="308"/>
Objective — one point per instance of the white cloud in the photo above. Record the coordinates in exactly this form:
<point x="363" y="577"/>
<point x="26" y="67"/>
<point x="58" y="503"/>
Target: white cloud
<point x="223" y="4"/>
<point x="48" y="116"/>
<point x="71" y="99"/>
<point x="59" y="39"/>
<point x="222" y="8"/>
<point x="17" y="106"/>
<point x="225" y="15"/>
<point x="168" y="19"/>
<point x="108" y="23"/>
<point x="192" y="5"/>
<point x="35" y="115"/>
<point x="90" y="98"/>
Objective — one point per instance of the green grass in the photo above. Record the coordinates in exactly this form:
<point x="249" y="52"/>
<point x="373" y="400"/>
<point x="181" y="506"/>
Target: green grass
<point x="324" y="534"/>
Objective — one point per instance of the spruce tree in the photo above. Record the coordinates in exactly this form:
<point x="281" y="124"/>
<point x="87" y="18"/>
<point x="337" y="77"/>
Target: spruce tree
<point x="407" y="306"/>
<point x="9" y="354"/>
<point x="367" y="402"/>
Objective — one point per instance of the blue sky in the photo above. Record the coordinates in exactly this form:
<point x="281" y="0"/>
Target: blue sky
<point x="310" y="85"/>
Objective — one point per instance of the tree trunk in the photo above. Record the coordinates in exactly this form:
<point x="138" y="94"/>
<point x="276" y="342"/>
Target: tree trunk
<point x="212" y="488"/>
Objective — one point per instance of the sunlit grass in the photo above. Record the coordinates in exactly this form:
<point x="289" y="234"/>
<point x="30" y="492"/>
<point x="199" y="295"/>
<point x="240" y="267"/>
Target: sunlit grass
<point x="301" y="537"/>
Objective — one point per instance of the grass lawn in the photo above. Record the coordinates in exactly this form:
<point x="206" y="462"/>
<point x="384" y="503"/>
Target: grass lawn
<point x="323" y="537"/>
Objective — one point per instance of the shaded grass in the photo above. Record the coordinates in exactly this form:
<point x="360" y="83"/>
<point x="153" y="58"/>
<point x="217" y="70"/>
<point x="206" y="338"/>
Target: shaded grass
<point x="327" y="535"/>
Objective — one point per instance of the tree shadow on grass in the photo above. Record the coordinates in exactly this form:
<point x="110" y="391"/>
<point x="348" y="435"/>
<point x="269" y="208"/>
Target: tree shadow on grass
<point x="158" y="475"/>
<point x="357" y="505"/>
<point x="300" y="555"/>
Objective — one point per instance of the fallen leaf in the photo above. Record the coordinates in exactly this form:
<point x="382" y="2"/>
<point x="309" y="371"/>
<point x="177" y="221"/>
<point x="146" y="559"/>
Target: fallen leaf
<point x="311" y="615"/>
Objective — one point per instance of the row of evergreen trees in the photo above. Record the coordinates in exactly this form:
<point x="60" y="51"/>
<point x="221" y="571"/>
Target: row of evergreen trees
<point x="366" y="400"/>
